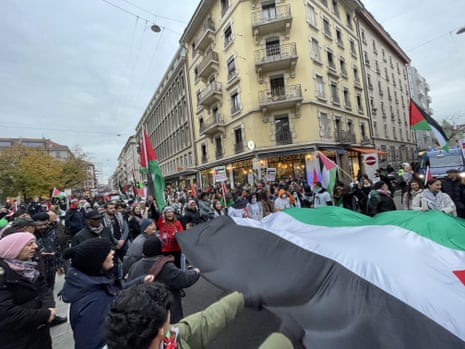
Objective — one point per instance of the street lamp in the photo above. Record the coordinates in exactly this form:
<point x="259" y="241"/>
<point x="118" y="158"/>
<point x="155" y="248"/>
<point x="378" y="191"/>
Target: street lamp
<point x="461" y="31"/>
<point x="156" y="28"/>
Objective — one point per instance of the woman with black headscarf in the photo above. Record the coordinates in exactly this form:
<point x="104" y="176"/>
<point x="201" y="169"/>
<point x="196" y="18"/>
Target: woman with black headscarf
<point x="90" y="289"/>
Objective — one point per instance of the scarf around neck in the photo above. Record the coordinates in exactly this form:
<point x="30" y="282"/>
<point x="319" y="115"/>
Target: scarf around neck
<point x="26" y="269"/>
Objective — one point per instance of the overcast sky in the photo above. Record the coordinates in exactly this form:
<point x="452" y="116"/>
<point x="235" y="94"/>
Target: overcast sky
<point x="82" y="72"/>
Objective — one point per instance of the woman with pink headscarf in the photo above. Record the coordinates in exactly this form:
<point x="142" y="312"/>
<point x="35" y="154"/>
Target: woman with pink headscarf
<point x="26" y="303"/>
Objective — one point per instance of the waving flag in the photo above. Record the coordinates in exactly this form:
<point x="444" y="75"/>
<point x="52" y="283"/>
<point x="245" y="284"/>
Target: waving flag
<point x="148" y="161"/>
<point x="396" y="280"/>
<point x="421" y="120"/>
<point x="328" y="173"/>
<point x="56" y="193"/>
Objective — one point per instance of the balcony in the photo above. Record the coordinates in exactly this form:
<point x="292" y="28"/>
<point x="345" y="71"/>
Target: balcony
<point x="219" y="154"/>
<point x="346" y="137"/>
<point x="207" y="35"/>
<point x="212" y="125"/>
<point x="279" y="98"/>
<point x="209" y="65"/>
<point x="276" y="57"/>
<point x="283" y="137"/>
<point x="238" y="148"/>
<point x="204" y="159"/>
<point x="275" y="20"/>
<point x="210" y="95"/>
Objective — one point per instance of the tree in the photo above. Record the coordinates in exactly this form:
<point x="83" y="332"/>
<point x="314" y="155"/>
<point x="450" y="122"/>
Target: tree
<point x="33" y="172"/>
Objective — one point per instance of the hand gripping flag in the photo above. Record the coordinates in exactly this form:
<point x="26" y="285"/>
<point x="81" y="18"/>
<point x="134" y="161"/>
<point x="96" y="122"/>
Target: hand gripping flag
<point x="352" y="281"/>
<point x="148" y="161"/>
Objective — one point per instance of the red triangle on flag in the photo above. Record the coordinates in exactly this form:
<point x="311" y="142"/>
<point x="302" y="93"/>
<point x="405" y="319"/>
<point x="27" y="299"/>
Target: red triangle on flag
<point x="460" y="275"/>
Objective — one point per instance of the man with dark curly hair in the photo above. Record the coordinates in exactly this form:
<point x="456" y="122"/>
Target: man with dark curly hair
<point x="139" y="318"/>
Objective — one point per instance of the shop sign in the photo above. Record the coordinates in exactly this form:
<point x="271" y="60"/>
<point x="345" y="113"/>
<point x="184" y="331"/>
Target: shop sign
<point x="220" y="174"/>
<point x="270" y="174"/>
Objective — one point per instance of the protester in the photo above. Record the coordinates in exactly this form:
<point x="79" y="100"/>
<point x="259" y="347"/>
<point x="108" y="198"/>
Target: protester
<point x="239" y="209"/>
<point x="27" y="306"/>
<point x="432" y="198"/>
<point x="93" y="228"/>
<point x="452" y="186"/>
<point x="415" y="188"/>
<point x="74" y="218"/>
<point x="147" y="228"/>
<point x="380" y="199"/>
<point x="168" y="226"/>
<point x="191" y="215"/>
<point x="218" y="209"/>
<point x="139" y="318"/>
<point x="90" y="289"/>
<point x="164" y="270"/>
<point x="254" y="207"/>
<point x="321" y="197"/>
<point x="282" y="201"/>
<point x="134" y="222"/>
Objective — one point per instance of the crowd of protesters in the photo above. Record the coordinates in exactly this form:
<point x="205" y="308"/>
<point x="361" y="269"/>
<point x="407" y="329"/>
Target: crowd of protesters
<point x="106" y="246"/>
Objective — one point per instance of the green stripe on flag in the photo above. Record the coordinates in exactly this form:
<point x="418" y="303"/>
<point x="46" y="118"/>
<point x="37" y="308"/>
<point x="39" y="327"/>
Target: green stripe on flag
<point x="439" y="227"/>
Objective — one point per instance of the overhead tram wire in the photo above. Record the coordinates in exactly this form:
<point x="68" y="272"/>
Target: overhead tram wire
<point x="137" y="16"/>
<point x="153" y="14"/>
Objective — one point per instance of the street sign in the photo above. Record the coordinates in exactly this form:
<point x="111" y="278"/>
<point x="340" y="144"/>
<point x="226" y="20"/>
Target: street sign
<point x="370" y="160"/>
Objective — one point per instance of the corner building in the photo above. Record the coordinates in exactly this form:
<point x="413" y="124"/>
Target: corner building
<point x="272" y="82"/>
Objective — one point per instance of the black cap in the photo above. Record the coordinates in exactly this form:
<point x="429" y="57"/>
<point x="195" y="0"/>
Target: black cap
<point x="41" y="216"/>
<point x="452" y="170"/>
<point x="24" y="222"/>
<point x="93" y="214"/>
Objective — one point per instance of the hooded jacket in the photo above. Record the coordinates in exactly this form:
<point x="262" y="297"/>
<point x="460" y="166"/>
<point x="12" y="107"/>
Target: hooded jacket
<point x="90" y="298"/>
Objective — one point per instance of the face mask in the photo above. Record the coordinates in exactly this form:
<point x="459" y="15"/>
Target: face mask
<point x="254" y="201"/>
<point x="283" y="196"/>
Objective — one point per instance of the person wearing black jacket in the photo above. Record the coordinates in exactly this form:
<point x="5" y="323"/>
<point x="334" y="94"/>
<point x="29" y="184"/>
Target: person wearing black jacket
<point x="452" y="186"/>
<point x="93" y="228"/>
<point x="27" y="306"/>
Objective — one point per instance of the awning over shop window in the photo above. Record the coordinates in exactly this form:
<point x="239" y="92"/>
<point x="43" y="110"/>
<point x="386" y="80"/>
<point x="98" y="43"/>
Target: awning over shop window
<point x="369" y="150"/>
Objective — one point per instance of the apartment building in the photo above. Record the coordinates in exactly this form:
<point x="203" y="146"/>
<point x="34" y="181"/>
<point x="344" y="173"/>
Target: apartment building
<point x="386" y="80"/>
<point x="168" y="122"/>
<point x="272" y="82"/>
<point x="128" y="167"/>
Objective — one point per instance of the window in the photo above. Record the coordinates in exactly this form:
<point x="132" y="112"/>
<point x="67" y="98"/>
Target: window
<point x="272" y="47"/>
<point x="194" y="50"/>
<point x="218" y="147"/>
<point x="311" y="17"/>
<point x="334" y="93"/>
<point x="377" y="67"/>
<point x="359" y="103"/>
<point x="362" y="130"/>
<point x="346" y="98"/>
<point x="339" y="38"/>
<point x="335" y="8"/>
<point x="319" y="86"/>
<point x="363" y="36"/>
<point x="367" y="61"/>
<point x="228" y="36"/>
<point x="203" y="152"/>
<point x="370" y="83"/>
<point x="238" y="136"/>
<point x="326" y="27"/>
<point x="283" y="133"/>
<point x="375" y="51"/>
<point x="380" y="88"/>
<point x="330" y="57"/>
<point x="353" y="50"/>
<point x="315" y="53"/>
<point x="224" y="6"/>
<point x="386" y="74"/>
<point x="356" y="77"/>
<point x="235" y="103"/>
<point x="343" y="66"/>
<point x="349" y="20"/>
<point x="375" y="128"/>
<point x="325" y="129"/>
<point x="268" y="11"/>
<point x="231" y="63"/>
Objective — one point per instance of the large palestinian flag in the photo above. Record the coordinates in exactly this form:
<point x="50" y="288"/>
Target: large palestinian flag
<point x="392" y="281"/>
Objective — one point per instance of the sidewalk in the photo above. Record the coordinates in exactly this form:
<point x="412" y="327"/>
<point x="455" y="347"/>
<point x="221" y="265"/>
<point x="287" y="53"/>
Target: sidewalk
<point x="62" y="335"/>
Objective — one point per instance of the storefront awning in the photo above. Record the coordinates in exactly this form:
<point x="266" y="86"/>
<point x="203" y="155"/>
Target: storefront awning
<point x="369" y="150"/>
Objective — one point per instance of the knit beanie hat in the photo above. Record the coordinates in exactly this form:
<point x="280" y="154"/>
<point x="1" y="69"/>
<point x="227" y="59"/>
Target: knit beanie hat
<point x="144" y="223"/>
<point x="151" y="247"/>
<point x="12" y="245"/>
<point x="89" y="255"/>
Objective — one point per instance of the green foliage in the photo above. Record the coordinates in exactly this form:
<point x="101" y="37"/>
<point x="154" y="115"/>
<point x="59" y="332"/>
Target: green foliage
<point x="33" y="172"/>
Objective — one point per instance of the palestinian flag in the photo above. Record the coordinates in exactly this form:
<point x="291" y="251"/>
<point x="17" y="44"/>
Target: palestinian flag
<point x="148" y="161"/>
<point x="396" y="280"/>
<point x="420" y="120"/>
<point x="328" y="173"/>
<point x="56" y="193"/>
